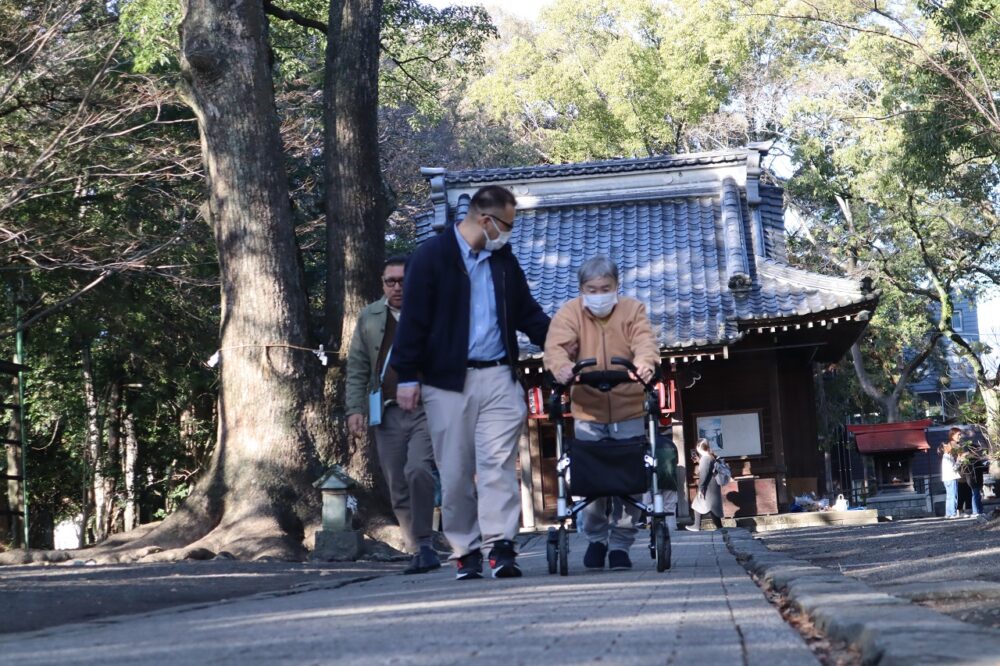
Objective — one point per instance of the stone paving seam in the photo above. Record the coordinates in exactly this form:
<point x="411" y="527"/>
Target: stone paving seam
<point x="888" y="630"/>
<point x="729" y="605"/>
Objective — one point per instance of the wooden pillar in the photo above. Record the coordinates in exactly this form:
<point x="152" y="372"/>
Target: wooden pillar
<point x="778" y="434"/>
<point x="677" y="434"/>
<point x="683" y="506"/>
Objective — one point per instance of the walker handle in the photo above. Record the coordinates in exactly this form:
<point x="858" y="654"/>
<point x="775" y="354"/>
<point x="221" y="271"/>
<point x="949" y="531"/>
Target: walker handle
<point x="628" y="365"/>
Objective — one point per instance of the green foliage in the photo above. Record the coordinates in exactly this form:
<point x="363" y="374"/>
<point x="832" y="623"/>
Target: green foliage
<point x="955" y="132"/>
<point x="597" y="78"/>
<point x="429" y="52"/>
<point x="893" y="169"/>
<point x="100" y="186"/>
<point x="150" y="30"/>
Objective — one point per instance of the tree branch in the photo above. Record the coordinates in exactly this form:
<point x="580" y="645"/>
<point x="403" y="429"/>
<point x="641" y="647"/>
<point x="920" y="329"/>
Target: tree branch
<point x="288" y="15"/>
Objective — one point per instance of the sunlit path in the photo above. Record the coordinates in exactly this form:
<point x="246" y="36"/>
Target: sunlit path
<point x="704" y="610"/>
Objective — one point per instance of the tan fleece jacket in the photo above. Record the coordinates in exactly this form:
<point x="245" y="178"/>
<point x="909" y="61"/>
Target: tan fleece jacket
<point x="626" y="332"/>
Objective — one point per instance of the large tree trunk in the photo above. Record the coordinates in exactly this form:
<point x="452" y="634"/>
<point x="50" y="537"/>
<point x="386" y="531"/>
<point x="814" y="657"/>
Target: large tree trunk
<point x="11" y="525"/>
<point x="129" y="457"/>
<point x="257" y="496"/>
<point x="256" y="499"/>
<point x="357" y="201"/>
<point x="93" y="482"/>
<point x="112" y="460"/>
<point x="357" y="204"/>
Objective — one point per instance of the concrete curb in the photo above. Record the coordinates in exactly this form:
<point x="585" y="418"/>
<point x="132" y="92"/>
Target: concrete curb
<point x="887" y="629"/>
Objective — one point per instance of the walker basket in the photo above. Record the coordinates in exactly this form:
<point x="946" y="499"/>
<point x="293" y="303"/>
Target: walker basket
<point x="608" y="467"/>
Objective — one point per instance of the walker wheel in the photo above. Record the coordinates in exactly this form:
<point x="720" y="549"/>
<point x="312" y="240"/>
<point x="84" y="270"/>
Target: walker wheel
<point x="563" y="552"/>
<point x="662" y="547"/>
<point x="552" y="549"/>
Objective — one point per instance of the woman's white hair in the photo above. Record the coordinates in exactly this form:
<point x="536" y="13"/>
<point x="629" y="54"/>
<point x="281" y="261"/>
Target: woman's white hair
<point x="597" y="267"/>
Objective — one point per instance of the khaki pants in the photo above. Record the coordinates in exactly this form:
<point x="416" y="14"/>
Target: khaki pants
<point x="475" y="435"/>
<point x="407" y="461"/>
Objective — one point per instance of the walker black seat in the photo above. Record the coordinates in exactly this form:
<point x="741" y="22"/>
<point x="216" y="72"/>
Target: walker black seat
<point x="608" y="467"/>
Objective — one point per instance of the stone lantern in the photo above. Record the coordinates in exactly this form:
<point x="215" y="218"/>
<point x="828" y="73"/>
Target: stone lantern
<point x="337" y="540"/>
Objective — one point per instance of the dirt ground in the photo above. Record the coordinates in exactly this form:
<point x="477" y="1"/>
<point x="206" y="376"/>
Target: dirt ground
<point x="37" y="597"/>
<point x="910" y="551"/>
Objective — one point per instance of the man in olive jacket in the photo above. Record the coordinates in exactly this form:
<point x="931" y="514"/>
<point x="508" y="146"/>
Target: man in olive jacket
<point x="401" y="438"/>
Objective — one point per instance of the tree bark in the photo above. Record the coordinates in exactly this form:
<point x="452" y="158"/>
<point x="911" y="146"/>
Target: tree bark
<point x="256" y="499"/>
<point x="129" y="457"/>
<point x="111" y="460"/>
<point x="357" y="200"/>
<point x="357" y="204"/>
<point x="93" y="482"/>
<point x="12" y="526"/>
<point x="890" y="401"/>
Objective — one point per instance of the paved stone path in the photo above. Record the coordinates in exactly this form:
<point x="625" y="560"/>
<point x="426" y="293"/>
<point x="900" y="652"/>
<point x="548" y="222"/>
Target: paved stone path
<point x="704" y="610"/>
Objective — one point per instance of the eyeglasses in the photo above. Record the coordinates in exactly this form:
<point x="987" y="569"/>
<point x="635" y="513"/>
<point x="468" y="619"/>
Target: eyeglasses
<point x="507" y="226"/>
<point x="392" y="282"/>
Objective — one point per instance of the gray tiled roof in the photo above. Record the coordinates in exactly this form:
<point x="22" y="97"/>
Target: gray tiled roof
<point x="689" y="258"/>
<point x="593" y="168"/>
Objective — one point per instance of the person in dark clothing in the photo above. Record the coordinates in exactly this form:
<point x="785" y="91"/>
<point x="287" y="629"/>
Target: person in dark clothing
<point x="708" y="488"/>
<point x="456" y="350"/>
<point x="968" y="460"/>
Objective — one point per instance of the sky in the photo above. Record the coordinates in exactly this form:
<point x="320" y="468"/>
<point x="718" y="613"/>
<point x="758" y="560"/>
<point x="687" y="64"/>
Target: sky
<point x="527" y="9"/>
<point x="989" y="306"/>
<point x="989" y="327"/>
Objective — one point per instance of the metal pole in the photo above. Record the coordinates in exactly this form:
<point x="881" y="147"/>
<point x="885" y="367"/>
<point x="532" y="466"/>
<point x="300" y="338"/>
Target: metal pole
<point x="19" y="354"/>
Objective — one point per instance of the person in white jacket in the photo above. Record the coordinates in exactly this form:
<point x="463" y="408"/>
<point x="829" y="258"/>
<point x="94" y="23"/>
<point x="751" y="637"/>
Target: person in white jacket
<point x="949" y="475"/>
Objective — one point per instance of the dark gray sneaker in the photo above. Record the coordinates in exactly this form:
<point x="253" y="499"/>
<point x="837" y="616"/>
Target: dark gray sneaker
<point x="619" y="560"/>
<point x="426" y="560"/>
<point x="503" y="562"/>
<point x="469" y="566"/>
<point x="596" y="553"/>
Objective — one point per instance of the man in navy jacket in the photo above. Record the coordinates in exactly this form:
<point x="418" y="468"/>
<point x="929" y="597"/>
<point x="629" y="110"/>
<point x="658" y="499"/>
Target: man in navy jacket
<point x="456" y="349"/>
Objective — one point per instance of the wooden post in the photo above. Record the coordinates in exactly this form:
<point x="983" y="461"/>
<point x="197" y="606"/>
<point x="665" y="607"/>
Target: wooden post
<point x="778" y="434"/>
<point x="677" y="434"/>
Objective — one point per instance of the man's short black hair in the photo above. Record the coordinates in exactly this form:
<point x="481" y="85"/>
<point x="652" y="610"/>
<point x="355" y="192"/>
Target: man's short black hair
<point x="395" y="260"/>
<point x="492" y="197"/>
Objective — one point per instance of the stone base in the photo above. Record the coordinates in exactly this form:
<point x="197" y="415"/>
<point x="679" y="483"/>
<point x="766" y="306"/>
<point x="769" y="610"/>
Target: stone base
<point x="897" y="506"/>
<point x="784" y="521"/>
<point x="338" y="546"/>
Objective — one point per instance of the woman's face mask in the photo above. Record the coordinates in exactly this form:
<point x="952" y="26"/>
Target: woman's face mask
<point x="600" y="295"/>
<point x="600" y="305"/>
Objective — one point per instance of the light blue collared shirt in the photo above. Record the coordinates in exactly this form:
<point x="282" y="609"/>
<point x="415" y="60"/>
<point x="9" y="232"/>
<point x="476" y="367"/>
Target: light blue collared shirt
<point x="485" y="343"/>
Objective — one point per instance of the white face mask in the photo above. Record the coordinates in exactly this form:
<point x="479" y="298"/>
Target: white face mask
<point x="600" y="305"/>
<point x="494" y="244"/>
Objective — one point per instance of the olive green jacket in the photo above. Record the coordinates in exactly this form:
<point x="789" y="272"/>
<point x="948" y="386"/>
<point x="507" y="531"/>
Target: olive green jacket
<point x="362" y="358"/>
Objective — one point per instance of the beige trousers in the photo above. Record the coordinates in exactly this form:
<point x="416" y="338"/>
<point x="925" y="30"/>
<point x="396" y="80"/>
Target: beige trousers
<point x="475" y="435"/>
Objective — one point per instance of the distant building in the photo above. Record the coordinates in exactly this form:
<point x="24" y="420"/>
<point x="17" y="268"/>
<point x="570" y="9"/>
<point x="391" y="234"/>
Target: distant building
<point x="943" y="386"/>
